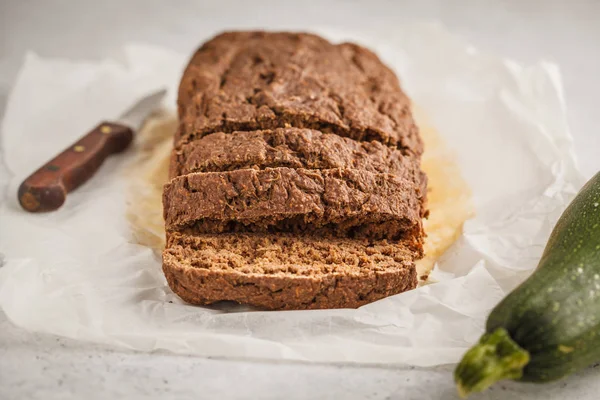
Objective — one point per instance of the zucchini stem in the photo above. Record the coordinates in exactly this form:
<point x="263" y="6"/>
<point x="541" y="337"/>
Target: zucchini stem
<point x="494" y="358"/>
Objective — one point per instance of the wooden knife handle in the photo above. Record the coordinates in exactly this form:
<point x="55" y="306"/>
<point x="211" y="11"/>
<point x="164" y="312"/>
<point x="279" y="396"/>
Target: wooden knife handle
<point x="46" y="189"/>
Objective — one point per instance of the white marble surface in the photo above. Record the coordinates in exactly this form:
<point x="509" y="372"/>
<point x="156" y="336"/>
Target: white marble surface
<point x="34" y="366"/>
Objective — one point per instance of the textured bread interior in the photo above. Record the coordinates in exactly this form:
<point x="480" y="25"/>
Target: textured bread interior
<point x="286" y="254"/>
<point x="285" y="271"/>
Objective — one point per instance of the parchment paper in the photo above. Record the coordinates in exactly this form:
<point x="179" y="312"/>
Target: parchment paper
<point x="79" y="272"/>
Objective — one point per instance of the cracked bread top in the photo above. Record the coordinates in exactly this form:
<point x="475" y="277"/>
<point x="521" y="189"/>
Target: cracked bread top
<point x="259" y="80"/>
<point x="293" y="148"/>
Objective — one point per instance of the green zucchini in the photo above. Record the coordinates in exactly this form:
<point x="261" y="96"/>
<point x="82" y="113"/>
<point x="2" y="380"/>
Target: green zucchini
<point x="549" y="326"/>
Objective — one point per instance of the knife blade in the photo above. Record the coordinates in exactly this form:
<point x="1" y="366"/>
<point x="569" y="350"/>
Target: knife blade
<point x="46" y="189"/>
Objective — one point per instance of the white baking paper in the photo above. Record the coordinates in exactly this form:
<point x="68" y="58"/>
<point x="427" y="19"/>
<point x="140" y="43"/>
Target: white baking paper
<point x="77" y="272"/>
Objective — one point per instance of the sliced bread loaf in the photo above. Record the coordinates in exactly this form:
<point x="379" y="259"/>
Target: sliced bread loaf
<point x="263" y="212"/>
<point x="286" y="271"/>
<point x="342" y="202"/>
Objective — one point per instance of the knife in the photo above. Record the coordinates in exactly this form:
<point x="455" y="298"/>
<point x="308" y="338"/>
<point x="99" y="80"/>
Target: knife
<point x="46" y="189"/>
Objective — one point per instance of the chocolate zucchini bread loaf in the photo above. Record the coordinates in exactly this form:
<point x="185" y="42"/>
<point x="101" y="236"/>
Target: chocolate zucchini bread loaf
<point x="295" y="176"/>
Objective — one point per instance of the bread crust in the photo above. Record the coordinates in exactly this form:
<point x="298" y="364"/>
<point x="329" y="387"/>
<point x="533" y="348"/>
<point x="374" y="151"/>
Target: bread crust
<point x="289" y="147"/>
<point x="244" y="81"/>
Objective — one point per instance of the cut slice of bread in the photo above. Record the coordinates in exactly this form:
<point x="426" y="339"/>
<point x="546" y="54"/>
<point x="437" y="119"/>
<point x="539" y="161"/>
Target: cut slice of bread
<point x="342" y="202"/>
<point x="292" y="148"/>
<point x="286" y="271"/>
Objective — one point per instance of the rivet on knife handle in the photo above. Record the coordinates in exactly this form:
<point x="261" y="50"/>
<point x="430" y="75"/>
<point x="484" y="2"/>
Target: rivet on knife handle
<point x="46" y="189"/>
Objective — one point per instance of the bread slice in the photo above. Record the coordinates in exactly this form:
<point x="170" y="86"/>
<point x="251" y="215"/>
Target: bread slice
<point x="245" y="81"/>
<point x="292" y="148"/>
<point x="341" y="202"/>
<point x="286" y="271"/>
